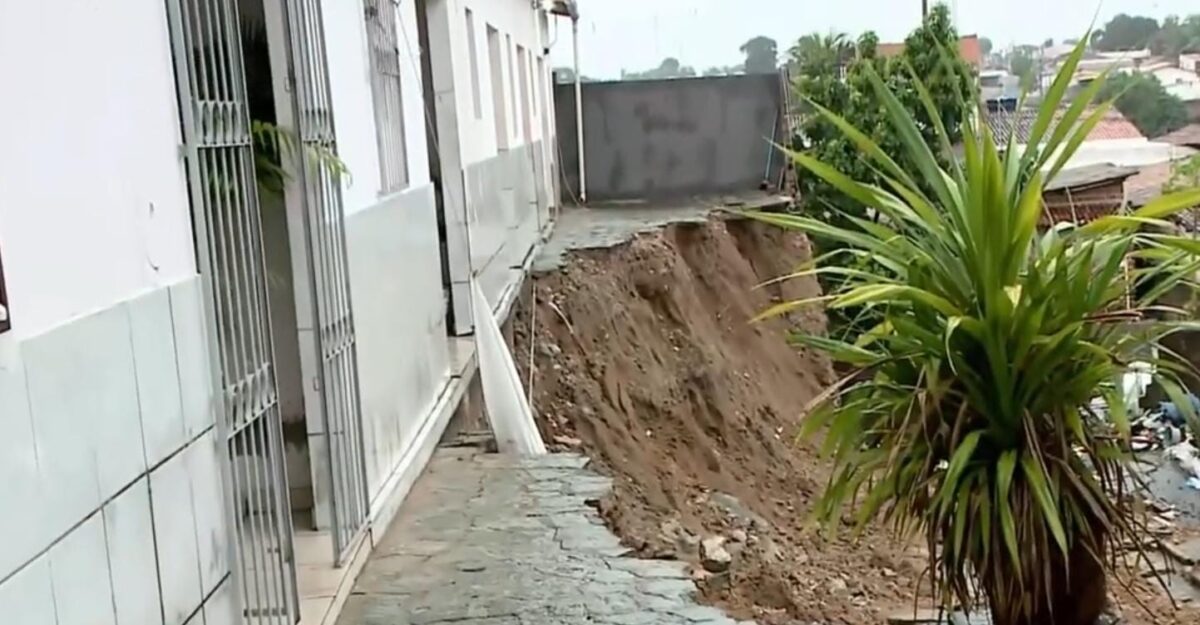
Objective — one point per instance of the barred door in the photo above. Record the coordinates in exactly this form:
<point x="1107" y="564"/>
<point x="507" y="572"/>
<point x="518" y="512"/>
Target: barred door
<point x="324" y="221"/>
<point x="228" y="235"/>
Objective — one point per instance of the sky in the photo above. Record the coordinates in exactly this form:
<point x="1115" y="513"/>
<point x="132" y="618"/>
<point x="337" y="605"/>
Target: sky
<point x="637" y="34"/>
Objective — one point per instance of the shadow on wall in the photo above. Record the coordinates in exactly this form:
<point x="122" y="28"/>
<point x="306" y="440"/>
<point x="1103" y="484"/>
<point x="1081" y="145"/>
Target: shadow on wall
<point x="671" y="138"/>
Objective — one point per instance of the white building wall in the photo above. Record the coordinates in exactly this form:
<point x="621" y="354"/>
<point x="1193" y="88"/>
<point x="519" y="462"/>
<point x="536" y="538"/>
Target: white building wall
<point x="93" y="205"/>
<point x="504" y="196"/>
<point x="393" y="249"/>
<point x="109" y="475"/>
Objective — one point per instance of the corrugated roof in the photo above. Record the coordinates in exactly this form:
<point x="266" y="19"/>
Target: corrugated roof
<point x="1087" y="176"/>
<point x="1003" y="123"/>
<point x="1187" y="136"/>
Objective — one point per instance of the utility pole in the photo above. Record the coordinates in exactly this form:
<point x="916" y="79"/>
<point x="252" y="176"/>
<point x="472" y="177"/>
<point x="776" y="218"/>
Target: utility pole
<point x="924" y="9"/>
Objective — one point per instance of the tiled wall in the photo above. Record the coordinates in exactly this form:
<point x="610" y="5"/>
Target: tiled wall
<point x="110" y="491"/>
<point x="400" y="320"/>
<point x="502" y="205"/>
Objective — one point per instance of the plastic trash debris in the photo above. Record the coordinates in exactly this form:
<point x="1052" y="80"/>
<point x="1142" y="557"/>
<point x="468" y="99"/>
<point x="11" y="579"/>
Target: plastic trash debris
<point x="1188" y="458"/>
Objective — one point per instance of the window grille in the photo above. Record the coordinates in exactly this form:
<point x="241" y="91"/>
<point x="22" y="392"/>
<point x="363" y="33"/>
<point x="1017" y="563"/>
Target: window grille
<point x="385" y="91"/>
<point x="5" y="318"/>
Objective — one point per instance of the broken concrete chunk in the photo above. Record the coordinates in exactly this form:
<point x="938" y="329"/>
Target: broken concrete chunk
<point x="713" y="555"/>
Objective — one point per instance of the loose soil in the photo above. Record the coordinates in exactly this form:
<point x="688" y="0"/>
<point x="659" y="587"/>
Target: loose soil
<point x="644" y="358"/>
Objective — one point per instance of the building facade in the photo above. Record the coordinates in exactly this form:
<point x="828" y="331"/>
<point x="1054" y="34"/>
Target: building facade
<point x="236" y="244"/>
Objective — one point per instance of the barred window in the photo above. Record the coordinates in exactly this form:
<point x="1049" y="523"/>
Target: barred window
<point x="385" y="91"/>
<point x="5" y="320"/>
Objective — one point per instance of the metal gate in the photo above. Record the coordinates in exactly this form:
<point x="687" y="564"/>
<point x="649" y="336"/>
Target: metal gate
<point x="325" y="227"/>
<point x="228" y="234"/>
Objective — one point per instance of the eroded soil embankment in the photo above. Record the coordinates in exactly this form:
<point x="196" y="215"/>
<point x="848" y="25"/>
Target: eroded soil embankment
<point x="644" y="358"/>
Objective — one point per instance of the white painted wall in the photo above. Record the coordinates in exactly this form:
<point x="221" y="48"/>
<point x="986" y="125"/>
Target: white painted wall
<point x="518" y="25"/>
<point x="93" y="204"/>
<point x="353" y="106"/>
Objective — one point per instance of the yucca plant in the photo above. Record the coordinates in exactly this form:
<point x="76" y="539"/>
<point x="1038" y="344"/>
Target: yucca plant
<point x="968" y="416"/>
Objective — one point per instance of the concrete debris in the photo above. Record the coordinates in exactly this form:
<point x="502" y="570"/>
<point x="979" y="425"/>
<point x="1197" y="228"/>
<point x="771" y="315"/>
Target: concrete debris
<point x="568" y="441"/>
<point x="742" y="515"/>
<point x="713" y="555"/>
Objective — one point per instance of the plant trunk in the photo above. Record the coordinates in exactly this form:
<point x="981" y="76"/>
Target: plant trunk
<point x="1079" y="590"/>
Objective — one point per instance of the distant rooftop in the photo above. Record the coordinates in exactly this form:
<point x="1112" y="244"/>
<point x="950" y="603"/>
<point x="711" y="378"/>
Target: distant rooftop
<point x="1020" y="123"/>
<point x="968" y="46"/>
<point x="1081" y="178"/>
<point x="1188" y="136"/>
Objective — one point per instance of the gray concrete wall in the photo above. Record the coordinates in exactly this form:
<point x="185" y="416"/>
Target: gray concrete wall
<point x="670" y="138"/>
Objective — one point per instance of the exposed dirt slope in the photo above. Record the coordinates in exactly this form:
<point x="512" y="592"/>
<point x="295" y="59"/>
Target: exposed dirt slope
<point x="644" y="359"/>
<point x="644" y="354"/>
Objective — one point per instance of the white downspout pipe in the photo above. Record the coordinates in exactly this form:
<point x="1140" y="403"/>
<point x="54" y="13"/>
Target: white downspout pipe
<point x="579" y="113"/>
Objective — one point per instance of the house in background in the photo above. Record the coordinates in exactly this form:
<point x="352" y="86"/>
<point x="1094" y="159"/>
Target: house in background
<point x="218" y="383"/>
<point x="1113" y="141"/>
<point x="1083" y="194"/>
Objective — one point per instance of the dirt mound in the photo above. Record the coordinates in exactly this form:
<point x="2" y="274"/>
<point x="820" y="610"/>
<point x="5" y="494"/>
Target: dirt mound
<point x="645" y="359"/>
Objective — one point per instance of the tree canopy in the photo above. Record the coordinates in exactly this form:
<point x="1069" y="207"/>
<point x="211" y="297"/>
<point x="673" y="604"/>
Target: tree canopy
<point x="566" y="74"/>
<point x="1125" y="32"/>
<point x="669" y="68"/>
<point x="1177" y="36"/>
<point x="834" y="73"/>
<point x="1023" y="66"/>
<point x="1144" y="101"/>
<point x="762" y="55"/>
<point x="1173" y="37"/>
<point x="986" y="46"/>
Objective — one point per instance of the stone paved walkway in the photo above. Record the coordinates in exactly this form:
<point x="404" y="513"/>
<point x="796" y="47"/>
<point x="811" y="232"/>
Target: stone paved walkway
<point x="492" y="540"/>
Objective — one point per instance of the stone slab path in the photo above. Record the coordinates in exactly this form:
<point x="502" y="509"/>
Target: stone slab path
<point x="491" y="540"/>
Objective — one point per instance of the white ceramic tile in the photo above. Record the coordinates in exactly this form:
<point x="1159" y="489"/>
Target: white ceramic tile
<point x="67" y="475"/>
<point x="157" y="375"/>
<point x="83" y="593"/>
<point x="209" y="503"/>
<point x="175" y="539"/>
<point x="85" y="409"/>
<point x="27" y="597"/>
<point x="221" y="608"/>
<point x="21" y="523"/>
<point x="191" y="353"/>
<point x="129" y="531"/>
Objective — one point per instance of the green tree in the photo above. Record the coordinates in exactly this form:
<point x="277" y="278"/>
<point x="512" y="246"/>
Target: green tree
<point x="564" y="74"/>
<point x="1048" y="42"/>
<point x="819" y="55"/>
<point x="1142" y="99"/>
<point x="1126" y="32"/>
<point x="966" y="415"/>
<point x="762" y="55"/>
<point x="669" y="68"/>
<point x="1177" y="36"/>
<point x="985" y="46"/>
<point x="833" y="74"/>
<point x="1024" y="67"/>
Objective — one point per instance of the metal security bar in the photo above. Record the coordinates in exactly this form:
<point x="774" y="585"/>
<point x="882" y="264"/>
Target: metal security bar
<point x="385" y="90"/>
<point x="228" y="235"/>
<point x="325" y="225"/>
<point x="5" y="319"/>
